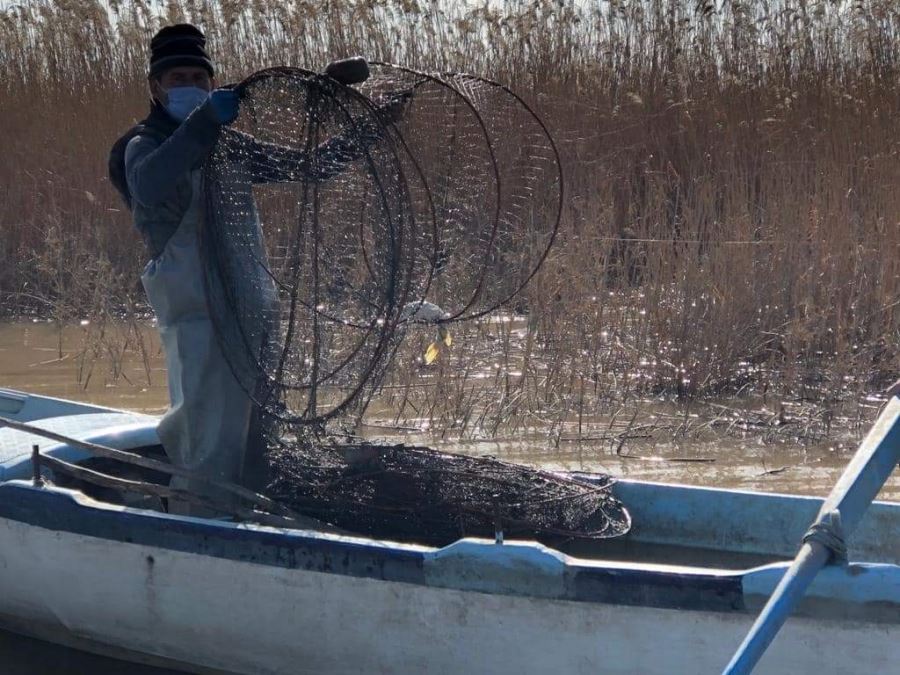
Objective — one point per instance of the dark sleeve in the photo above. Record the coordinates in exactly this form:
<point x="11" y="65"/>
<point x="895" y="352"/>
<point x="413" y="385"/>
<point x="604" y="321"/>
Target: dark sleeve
<point x="152" y="168"/>
<point x="273" y="163"/>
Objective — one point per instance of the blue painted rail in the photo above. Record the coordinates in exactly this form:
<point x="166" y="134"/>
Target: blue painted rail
<point x="861" y="481"/>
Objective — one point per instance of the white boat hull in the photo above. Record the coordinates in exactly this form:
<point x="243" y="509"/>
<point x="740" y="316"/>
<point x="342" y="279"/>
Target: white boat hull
<point x="207" y="612"/>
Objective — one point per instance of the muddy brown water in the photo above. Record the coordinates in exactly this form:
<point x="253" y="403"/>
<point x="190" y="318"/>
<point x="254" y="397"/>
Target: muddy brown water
<point x="35" y="357"/>
<point x="84" y="363"/>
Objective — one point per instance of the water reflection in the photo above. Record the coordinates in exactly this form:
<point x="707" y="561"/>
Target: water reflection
<point x="25" y="656"/>
<point x="38" y="358"/>
<point x="30" y="360"/>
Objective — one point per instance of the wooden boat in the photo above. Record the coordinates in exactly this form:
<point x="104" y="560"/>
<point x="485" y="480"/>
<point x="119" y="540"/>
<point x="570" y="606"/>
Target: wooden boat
<point x="675" y="595"/>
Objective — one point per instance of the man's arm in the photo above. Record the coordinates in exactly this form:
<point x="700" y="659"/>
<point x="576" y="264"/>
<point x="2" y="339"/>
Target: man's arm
<point x="152" y="168"/>
<point x="273" y="163"/>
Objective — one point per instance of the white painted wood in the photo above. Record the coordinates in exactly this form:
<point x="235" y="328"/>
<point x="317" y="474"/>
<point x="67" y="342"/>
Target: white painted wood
<point x="252" y="618"/>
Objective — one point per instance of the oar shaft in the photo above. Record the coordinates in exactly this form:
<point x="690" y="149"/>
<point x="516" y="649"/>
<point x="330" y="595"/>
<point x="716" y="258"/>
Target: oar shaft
<point x="870" y="467"/>
<point x="812" y="558"/>
<point x="865" y="475"/>
<point x="148" y="463"/>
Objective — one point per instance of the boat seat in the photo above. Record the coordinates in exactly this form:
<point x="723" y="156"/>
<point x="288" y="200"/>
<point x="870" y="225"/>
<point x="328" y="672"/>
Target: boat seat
<point x="119" y="430"/>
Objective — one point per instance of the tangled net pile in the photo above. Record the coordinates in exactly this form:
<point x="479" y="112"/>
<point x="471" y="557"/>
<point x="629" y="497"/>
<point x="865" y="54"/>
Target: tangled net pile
<point x="372" y="220"/>
<point x="419" y="494"/>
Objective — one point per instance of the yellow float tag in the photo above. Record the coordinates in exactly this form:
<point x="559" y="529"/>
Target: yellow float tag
<point x="431" y="353"/>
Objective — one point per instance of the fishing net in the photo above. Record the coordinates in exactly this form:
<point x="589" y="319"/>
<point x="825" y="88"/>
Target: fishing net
<point x="495" y="181"/>
<point x="366" y="215"/>
<point x="336" y="216"/>
<point x="306" y="311"/>
<point x="422" y="495"/>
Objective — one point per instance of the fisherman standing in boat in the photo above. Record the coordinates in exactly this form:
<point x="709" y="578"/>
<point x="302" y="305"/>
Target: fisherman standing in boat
<point x="157" y="168"/>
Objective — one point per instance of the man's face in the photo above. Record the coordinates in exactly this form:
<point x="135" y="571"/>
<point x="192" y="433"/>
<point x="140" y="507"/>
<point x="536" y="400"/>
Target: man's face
<point x="180" y="76"/>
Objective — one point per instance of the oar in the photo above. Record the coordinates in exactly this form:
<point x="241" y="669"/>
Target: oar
<point x="876" y="458"/>
<point x="135" y="459"/>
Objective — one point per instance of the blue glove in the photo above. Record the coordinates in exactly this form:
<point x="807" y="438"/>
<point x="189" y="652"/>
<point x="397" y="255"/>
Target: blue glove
<point x="224" y="103"/>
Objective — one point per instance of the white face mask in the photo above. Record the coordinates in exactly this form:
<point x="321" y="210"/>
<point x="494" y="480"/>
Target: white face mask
<point x="184" y="100"/>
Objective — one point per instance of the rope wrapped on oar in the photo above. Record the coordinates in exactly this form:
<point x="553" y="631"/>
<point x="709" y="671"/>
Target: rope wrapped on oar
<point x="874" y="461"/>
<point x="828" y="531"/>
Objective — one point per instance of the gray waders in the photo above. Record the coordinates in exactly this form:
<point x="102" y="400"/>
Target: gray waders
<point x="206" y="427"/>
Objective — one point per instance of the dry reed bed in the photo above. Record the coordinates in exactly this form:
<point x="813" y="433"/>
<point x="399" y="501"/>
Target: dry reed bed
<point x="731" y="222"/>
<point x="499" y="383"/>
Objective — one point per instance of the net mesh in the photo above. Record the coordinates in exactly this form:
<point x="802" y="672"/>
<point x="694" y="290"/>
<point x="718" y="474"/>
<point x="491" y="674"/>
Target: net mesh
<point x="422" y="495"/>
<point x="337" y="215"/>
<point x="306" y="310"/>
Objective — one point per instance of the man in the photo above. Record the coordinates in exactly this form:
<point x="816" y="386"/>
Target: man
<point x="206" y="426"/>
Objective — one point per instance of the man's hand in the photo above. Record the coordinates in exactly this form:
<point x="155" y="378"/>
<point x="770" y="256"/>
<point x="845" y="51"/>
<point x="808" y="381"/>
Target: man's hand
<point x="224" y="103"/>
<point x="392" y="111"/>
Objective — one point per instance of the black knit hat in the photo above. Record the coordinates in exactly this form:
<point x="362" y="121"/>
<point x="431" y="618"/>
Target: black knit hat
<point x="178" y="45"/>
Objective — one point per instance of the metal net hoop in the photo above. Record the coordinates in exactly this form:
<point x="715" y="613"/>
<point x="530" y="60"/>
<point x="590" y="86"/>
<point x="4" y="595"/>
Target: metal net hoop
<point x="440" y="205"/>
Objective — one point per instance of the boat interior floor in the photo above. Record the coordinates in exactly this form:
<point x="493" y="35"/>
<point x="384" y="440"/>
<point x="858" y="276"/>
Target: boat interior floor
<point x="117" y="469"/>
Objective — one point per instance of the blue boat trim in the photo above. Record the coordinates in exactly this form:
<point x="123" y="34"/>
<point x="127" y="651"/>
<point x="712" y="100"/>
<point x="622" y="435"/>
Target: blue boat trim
<point x="26" y="407"/>
<point x="743" y="521"/>
<point x="874" y="585"/>
<point x="648" y="586"/>
<point x="61" y="511"/>
<point x="707" y="592"/>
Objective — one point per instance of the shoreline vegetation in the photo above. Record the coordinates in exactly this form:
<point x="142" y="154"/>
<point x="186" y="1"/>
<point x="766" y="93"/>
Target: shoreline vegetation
<point x="732" y="217"/>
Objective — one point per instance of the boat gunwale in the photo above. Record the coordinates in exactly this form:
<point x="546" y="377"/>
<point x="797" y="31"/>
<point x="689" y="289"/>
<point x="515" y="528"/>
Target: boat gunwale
<point x="517" y="568"/>
<point x="534" y="570"/>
